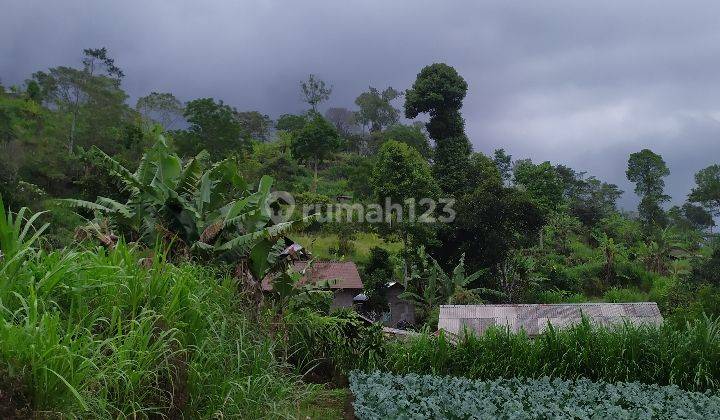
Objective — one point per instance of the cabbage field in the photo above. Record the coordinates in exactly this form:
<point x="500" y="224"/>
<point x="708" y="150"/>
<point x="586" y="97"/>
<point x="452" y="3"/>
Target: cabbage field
<point x="383" y="395"/>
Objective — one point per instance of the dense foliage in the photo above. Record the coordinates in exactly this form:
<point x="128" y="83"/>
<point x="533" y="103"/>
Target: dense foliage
<point x="380" y="396"/>
<point x="117" y="329"/>
<point x="120" y="333"/>
<point x="686" y="356"/>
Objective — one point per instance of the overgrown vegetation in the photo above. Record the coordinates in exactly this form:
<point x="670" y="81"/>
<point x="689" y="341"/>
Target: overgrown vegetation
<point x="148" y="301"/>
<point x="123" y="332"/>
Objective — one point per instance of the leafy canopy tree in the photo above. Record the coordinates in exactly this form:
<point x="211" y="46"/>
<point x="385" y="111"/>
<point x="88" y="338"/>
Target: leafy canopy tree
<point x="490" y="222"/>
<point x="541" y="183"/>
<point x="317" y="141"/>
<point x="91" y="96"/>
<point x="345" y="121"/>
<point x="162" y="108"/>
<point x="254" y="123"/>
<point x="647" y="170"/>
<point x="707" y="190"/>
<point x="377" y="273"/>
<point x="691" y="217"/>
<point x="591" y="200"/>
<point x="439" y="91"/>
<point x="482" y="170"/>
<point x="98" y="59"/>
<point x="503" y="161"/>
<point x="314" y="91"/>
<point x="411" y="135"/>
<point x="401" y="174"/>
<point x="290" y="122"/>
<point x="376" y="109"/>
<point x="213" y="127"/>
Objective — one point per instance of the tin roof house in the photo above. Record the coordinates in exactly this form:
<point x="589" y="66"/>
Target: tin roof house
<point x="535" y="318"/>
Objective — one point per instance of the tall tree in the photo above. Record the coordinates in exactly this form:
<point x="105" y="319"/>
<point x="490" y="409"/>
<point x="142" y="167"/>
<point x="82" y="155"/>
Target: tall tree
<point x="411" y="135"/>
<point x="316" y="142"/>
<point x="591" y="200"/>
<point x="503" y="161"/>
<point x="213" y="127"/>
<point x="254" y="123"/>
<point x="541" y="183"/>
<point x="707" y="189"/>
<point x="491" y="221"/>
<point x="290" y="122"/>
<point x="647" y="170"/>
<point x="163" y="108"/>
<point x="699" y="218"/>
<point x="439" y="91"/>
<point x="344" y="120"/>
<point x="97" y="59"/>
<point x="71" y="89"/>
<point x="314" y="91"/>
<point x="401" y="174"/>
<point x="376" y="109"/>
<point x="482" y="171"/>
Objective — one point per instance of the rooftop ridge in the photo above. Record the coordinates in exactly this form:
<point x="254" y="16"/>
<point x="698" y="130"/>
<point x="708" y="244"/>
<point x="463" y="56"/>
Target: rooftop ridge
<point x="550" y="304"/>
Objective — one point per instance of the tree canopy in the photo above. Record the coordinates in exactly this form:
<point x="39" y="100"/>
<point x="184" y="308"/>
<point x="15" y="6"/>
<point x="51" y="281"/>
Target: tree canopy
<point x="376" y="109"/>
<point x="214" y="127"/>
<point x="648" y="170"/>
<point x="317" y="141"/>
<point x="707" y="189"/>
<point x="439" y="91"/>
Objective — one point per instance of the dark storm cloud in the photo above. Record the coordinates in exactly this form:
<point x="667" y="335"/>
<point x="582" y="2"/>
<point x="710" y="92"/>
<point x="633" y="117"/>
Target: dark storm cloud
<point x="581" y="83"/>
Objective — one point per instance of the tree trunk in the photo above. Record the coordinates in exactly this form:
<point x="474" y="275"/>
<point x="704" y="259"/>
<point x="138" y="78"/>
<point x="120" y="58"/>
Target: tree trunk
<point x="315" y="178"/>
<point x="76" y="110"/>
<point x="71" y="142"/>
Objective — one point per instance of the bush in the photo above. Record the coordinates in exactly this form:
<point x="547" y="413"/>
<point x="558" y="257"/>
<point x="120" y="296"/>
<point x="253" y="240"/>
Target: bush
<point x="108" y="334"/>
<point x="617" y="295"/>
<point x="687" y="356"/>
<point x="329" y="347"/>
<point x="382" y="395"/>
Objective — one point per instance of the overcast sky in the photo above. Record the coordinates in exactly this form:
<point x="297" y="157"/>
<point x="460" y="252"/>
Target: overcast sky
<point x="576" y="82"/>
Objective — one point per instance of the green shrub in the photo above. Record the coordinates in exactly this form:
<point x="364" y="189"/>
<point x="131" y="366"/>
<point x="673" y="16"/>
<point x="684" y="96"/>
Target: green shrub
<point x="382" y="395"/>
<point x="617" y="295"/>
<point x="687" y="355"/>
<point x="332" y="346"/>
<point x="107" y="334"/>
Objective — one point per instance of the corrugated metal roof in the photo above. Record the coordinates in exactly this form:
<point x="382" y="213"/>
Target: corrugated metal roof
<point x="345" y="272"/>
<point x="534" y="318"/>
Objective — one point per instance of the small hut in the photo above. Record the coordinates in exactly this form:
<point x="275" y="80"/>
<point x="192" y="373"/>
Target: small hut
<point x="347" y="282"/>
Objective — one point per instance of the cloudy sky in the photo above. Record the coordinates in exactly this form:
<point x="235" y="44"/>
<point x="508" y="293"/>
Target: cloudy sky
<point x="583" y="83"/>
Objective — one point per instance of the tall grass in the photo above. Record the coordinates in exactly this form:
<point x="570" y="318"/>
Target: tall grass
<point x="688" y="357"/>
<point x="103" y="334"/>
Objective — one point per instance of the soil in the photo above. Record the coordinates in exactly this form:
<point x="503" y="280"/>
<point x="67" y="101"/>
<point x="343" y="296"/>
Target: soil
<point x="14" y="400"/>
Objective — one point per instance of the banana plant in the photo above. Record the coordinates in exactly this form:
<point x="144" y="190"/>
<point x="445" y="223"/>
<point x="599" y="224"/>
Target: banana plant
<point x="440" y="286"/>
<point x="205" y="209"/>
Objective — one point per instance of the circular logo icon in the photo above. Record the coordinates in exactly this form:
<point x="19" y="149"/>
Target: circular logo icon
<point x="280" y="206"/>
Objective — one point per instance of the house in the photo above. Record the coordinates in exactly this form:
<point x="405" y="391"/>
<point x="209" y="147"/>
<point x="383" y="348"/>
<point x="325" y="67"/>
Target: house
<point x="401" y="312"/>
<point x="534" y="318"/>
<point x="347" y="282"/>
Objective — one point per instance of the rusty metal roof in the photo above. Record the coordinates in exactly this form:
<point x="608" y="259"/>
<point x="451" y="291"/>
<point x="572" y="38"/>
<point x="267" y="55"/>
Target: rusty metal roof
<point x="345" y="272"/>
<point x="534" y="318"/>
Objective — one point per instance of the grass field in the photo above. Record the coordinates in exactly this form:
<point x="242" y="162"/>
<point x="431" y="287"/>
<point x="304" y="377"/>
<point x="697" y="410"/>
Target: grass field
<point x="321" y="245"/>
